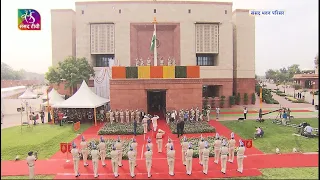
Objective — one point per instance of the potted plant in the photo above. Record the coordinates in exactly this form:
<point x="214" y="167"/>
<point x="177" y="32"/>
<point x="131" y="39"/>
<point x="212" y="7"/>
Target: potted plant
<point x="238" y="98"/>
<point x="222" y="98"/>
<point x="232" y="100"/>
<point x="245" y="98"/>
<point x="253" y="98"/>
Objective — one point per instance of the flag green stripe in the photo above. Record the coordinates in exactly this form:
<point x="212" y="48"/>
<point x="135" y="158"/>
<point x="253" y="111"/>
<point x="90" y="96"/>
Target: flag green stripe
<point x="153" y="41"/>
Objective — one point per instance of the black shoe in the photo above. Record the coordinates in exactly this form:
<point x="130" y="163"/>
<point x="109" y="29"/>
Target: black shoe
<point x="117" y="176"/>
<point x="96" y="176"/>
<point x="223" y="172"/>
<point x="133" y="176"/>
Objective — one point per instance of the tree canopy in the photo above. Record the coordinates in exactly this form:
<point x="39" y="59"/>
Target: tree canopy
<point x="283" y="74"/>
<point x="72" y="70"/>
<point x="7" y="73"/>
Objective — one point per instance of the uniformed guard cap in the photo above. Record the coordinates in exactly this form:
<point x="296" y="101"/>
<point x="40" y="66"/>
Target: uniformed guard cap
<point x="190" y="145"/>
<point x="171" y="147"/>
<point x="113" y="147"/>
<point x="82" y="138"/>
<point x="133" y="140"/>
<point x="184" y="138"/>
<point x="148" y="148"/>
<point x="74" y="145"/>
<point x="224" y="142"/>
<point x="206" y="145"/>
<point x="149" y="140"/>
<point x="232" y="135"/>
<point x="240" y="142"/>
<point x="217" y="135"/>
<point x="93" y="146"/>
<point x="101" y="139"/>
<point x="131" y="149"/>
<point x="30" y="153"/>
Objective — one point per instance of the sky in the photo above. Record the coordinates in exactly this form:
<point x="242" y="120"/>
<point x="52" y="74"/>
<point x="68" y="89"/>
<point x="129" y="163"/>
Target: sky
<point x="280" y="40"/>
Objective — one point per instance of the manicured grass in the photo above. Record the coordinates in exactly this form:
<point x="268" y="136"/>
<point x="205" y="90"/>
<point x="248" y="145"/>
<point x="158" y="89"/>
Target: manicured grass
<point x="272" y="115"/>
<point x="42" y="138"/>
<point x="276" y="135"/>
<point x="287" y="173"/>
<point x="27" y="177"/>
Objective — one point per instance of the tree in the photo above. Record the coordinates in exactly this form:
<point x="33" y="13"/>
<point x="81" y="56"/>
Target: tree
<point x="7" y="73"/>
<point x="245" y="98"/>
<point x="72" y="70"/>
<point x="238" y="99"/>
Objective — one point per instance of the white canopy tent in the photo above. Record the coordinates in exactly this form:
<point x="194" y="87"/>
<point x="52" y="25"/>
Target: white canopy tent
<point x="52" y="93"/>
<point x="54" y="98"/>
<point x="83" y="98"/>
<point x="28" y="94"/>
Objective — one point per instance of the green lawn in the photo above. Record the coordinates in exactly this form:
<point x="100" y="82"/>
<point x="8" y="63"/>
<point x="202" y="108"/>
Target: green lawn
<point x="272" y="115"/>
<point x="42" y="138"/>
<point x="287" y="173"/>
<point x="27" y="177"/>
<point x="276" y="135"/>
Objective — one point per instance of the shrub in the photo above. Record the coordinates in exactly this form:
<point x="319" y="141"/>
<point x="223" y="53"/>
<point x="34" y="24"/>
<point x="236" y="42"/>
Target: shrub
<point x="222" y="101"/>
<point x="193" y="127"/>
<point x="119" y="129"/>
<point x="194" y="141"/>
<point x="245" y="98"/>
<point x="238" y="98"/>
<point x="281" y="94"/>
<point x="232" y="100"/>
<point x="296" y="86"/>
<point x="253" y="98"/>
<point x="125" y="145"/>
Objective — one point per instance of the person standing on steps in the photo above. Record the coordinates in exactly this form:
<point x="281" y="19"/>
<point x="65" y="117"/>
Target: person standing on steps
<point x="240" y="156"/>
<point x="185" y="146"/>
<point x="178" y="127"/>
<point x="134" y="145"/>
<point x="159" y="137"/>
<point x="208" y="114"/>
<point x="171" y="157"/>
<point x="245" y="112"/>
<point x="201" y="145"/>
<point x="121" y="116"/>
<point x="148" y="156"/>
<point x="189" y="156"/>
<point x="118" y="146"/>
<point x="181" y="127"/>
<point x="84" y="151"/>
<point x="31" y="162"/>
<point x="114" y="160"/>
<point x="224" y="156"/>
<point x="217" y="148"/>
<point x="102" y="147"/>
<point x="168" y="145"/>
<point x="232" y="145"/>
<point x="95" y="160"/>
<point x="217" y="112"/>
<point x="145" y="124"/>
<point x="205" y="157"/>
<point x="155" y="122"/>
<point x="127" y="116"/>
<point x="132" y="161"/>
<point x="75" y="156"/>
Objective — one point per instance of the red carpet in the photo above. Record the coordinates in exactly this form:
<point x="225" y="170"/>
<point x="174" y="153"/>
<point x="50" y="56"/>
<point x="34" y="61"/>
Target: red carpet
<point x="255" y="160"/>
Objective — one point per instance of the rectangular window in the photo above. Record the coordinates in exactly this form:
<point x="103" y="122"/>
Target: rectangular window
<point x="225" y="11"/>
<point x="119" y="11"/>
<point x="82" y="12"/>
<point x="154" y="11"/>
<point x="189" y="11"/>
<point x="102" y="60"/>
<point x="206" y="60"/>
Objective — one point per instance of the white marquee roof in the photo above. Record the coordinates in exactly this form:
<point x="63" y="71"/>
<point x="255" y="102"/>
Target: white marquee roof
<point x="54" y="98"/>
<point x="83" y="98"/>
<point x="28" y="94"/>
<point x="50" y="94"/>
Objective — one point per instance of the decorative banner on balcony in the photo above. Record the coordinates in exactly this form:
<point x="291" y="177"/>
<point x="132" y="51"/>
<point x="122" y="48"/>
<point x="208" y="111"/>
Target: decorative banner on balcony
<point x="193" y="72"/>
<point x="181" y="72"/>
<point x="101" y="82"/>
<point x="156" y="72"/>
<point x="168" y="72"/>
<point x="131" y="72"/>
<point x="144" y="72"/>
<point x="118" y="72"/>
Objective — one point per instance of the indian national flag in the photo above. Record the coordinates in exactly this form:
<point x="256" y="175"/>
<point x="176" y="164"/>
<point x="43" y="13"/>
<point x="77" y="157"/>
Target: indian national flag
<point x="153" y="41"/>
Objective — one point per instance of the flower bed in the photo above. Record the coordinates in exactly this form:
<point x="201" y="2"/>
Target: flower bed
<point x="119" y="129"/>
<point x="294" y="100"/>
<point x="125" y="145"/>
<point x="193" y="127"/>
<point x="195" y="146"/>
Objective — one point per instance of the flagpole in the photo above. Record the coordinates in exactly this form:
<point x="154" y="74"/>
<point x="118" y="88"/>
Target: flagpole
<point x="155" y="54"/>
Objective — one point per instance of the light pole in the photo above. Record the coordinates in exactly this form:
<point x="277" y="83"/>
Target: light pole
<point x="313" y="83"/>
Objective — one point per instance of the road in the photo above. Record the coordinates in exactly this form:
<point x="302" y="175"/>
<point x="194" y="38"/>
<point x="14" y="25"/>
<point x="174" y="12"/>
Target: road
<point x="15" y="120"/>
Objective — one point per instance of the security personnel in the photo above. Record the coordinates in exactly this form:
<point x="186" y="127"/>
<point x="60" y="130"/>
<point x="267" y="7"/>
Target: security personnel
<point x="192" y="114"/>
<point x="224" y="156"/>
<point x="95" y="159"/>
<point x="118" y="146"/>
<point x="149" y="144"/>
<point x="197" y="114"/>
<point x="189" y="156"/>
<point x="127" y="116"/>
<point x="205" y="158"/>
<point x="217" y="148"/>
<point x="155" y="122"/>
<point x="145" y="124"/>
<point x="171" y="157"/>
<point x="208" y="114"/>
<point x="132" y="116"/>
<point x="201" y="145"/>
<point x="159" y="136"/>
<point x="31" y="161"/>
<point x="114" y="161"/>
<point x="134" y="146"/>
<point x="148" y="156"/>
<point x="102" y="147"/>
<point x="185" y="146"/>
<point x="117" y="115"/>
<point x="121" y="116"/>
<point x="84" y="151"/>
<point x="111" y="116"/>
<point x="168" y="145"/>
<point x="232" y="145"/>
<point x="240" y="156"/>
<point x="132" y="161"/>
<point x="75" y="156"/>
<point x="138" y="115"/>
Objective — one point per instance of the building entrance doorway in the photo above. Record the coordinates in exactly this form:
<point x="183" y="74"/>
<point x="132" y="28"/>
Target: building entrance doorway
<point x="156" y="102"/>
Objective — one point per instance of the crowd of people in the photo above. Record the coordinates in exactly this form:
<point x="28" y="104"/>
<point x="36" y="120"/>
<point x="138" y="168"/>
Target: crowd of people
<point x="224" y="151"/>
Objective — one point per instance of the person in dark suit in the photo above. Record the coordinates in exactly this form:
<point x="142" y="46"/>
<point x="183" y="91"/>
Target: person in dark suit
<point x="135" y="124"/>
<point x="178" y="128"/>
<point x="181" y="127"/>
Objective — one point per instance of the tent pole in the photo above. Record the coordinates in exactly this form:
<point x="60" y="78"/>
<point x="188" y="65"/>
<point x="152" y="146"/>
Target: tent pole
<point x="95" y="116"/>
